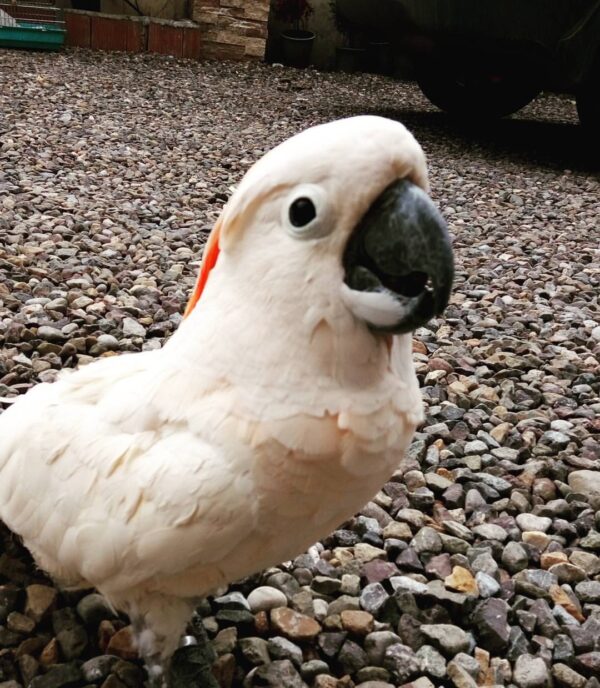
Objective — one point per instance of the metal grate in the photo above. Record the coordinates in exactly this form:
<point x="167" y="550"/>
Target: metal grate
<point x="31" y="13"/>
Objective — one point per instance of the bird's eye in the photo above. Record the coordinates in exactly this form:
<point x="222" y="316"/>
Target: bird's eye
<point x="306" y="212"/>
<point x="302" y="212"/>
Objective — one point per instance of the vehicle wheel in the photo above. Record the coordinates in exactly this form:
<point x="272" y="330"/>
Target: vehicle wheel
<point x="468" y="87"/>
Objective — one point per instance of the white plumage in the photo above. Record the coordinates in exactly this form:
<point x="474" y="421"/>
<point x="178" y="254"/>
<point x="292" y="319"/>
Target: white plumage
<point x="272" y="415"/>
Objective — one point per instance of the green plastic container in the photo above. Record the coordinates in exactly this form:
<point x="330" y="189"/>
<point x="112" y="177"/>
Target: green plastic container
<point x="33" y="36"/>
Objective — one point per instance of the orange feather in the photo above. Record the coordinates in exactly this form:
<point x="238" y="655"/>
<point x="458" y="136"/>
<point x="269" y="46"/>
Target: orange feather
<point x="209" y="260"/>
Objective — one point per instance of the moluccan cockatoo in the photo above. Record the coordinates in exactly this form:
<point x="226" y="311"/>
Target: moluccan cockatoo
<point x="280" y="406"/>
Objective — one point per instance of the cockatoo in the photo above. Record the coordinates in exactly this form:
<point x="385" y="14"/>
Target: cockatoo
<point x="278" y="408"/>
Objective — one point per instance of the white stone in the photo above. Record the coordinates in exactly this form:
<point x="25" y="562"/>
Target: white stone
<point x="265" y="597"/>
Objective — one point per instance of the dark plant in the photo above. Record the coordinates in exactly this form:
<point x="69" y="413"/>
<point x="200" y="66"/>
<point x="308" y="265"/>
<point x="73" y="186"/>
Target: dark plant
<point x="295" y="12"/>
<point x="340" y="24"/>
<point x="347" y="29"/>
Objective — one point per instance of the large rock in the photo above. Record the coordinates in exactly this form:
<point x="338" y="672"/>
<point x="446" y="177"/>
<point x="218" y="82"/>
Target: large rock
<point x="40" y="601"/>
<point x="587" y="483"/>
<point x="58" y="676"/>
<point x="401" y="662"/>
<point x="265" y="598"/>
<point x="294" y="625"/>
<point x="450" y="639"/>
<point x="490" y="618"/>
<point x="376" y="644"/>
<point x="531" y="672"/>
<point x="277" y="674"/>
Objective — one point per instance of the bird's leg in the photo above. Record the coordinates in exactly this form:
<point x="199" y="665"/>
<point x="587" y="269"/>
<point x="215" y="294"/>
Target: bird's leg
<point x="158" y="623"/>
<point x="156" y="663"/>
<point x="191" y="666"/>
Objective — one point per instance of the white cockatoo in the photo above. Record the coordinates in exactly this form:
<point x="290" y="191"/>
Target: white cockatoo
<point x="280" y="406"/>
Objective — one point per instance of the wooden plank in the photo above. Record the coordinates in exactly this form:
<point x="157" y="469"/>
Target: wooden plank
<point x="108" y="34"/>
<point x="79" y="29"/>
<point x="192" y="43"/>
<point x="137" y="37"/>
<point x="164" y="39"/>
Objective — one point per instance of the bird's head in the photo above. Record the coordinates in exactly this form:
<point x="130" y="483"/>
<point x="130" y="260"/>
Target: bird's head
<point x="343" y="206"/>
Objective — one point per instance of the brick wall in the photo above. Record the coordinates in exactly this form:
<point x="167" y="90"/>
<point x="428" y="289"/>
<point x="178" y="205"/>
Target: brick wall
<point x="232" y="29"/>
<point x="133" y="34"/>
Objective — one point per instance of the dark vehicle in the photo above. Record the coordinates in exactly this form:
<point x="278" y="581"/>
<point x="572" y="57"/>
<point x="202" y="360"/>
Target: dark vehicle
<point x="489" y="58"/>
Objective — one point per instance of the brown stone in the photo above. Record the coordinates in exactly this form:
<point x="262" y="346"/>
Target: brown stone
<point x="398" y="531"/>
<point x="122" y="644"/>
<point x="462" y="579"/>
<point x="483" y="659"/>
<point x="357" y="622"/>
<point x="20" y="623"/>
<point x="568" y="573"/>
<point x="364" y="552"/>
<point x="224" y="670"/>
<point x="294" y="625"/>
<point x="439" y="364"/>
<point x="325" y="681"/>
<point x="106" y="630"/>
<point x="40" y="601"/>
<point x="548" y="559"/>
<point x="50" y="654"/>
<point x="559" y="596"/>
<point x="500" y="432"/>
<point x="444" y="472"/>
<point x="30" y="646"/>
<point x="418" y="347"/>
<point x="459" y="676"/>
<point x="345" y="682"/>
<point x="29" y="668"/>
<point x="536" y="539"/>
<point x="261" y="623"/>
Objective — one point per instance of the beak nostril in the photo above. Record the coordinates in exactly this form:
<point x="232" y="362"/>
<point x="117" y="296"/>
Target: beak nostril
<point x="409" y="285"/>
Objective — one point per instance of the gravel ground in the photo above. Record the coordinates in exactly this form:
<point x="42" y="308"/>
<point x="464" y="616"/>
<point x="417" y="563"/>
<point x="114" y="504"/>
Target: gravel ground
<point x="479" y="562"/>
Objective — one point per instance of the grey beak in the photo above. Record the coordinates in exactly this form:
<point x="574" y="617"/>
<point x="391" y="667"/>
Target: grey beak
<point x="402" y="246"/>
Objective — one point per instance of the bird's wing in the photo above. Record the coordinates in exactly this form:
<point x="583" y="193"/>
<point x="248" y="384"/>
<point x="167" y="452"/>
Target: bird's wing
<point x="104" y="489"/>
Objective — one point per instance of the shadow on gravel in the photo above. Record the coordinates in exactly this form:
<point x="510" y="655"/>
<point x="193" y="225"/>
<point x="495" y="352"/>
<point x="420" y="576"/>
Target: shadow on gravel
<point x="541" y="142"/>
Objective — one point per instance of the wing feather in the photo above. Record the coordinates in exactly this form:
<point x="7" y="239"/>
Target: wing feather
<point x="99" y="500"/>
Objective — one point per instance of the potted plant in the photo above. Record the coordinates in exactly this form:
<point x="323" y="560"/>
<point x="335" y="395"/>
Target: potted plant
<point x="296" y="42"/>
<point x="350" y="56"/>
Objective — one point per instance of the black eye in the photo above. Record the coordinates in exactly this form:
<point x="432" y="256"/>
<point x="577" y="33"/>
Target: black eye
<point x="302" y="211"/>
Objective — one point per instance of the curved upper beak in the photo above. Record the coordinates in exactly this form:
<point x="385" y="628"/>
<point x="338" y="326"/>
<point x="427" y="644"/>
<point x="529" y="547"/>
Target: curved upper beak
<point x="401" y="250"/>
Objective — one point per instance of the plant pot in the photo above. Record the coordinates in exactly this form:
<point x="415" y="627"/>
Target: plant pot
<point x="297" y="47"/>
<point x="350" y="59"/>
<point x="379" y="57"/>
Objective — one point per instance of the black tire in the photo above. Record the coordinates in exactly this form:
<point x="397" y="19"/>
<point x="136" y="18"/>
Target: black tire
<point x="477" y="88"/>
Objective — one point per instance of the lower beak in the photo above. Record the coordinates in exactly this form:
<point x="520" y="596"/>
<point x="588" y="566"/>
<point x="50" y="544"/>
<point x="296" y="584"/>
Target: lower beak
<point x="401" y="249"/>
